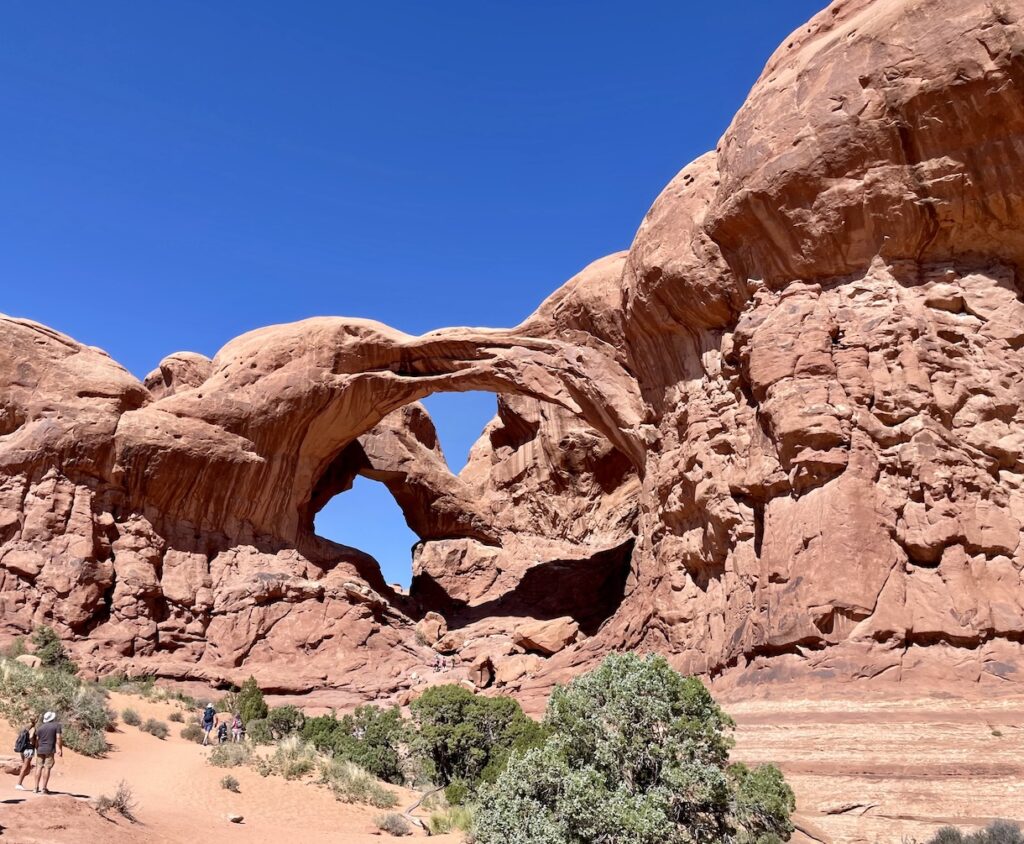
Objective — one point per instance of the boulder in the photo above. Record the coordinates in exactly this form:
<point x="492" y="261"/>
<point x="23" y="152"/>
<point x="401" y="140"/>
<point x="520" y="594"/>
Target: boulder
<point x="431" y="628"/>
<point x="547" y="637"/>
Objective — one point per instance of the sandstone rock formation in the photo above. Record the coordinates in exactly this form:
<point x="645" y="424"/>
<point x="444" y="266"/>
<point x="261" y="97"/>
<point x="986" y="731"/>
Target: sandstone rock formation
<point x="782" y="436"/>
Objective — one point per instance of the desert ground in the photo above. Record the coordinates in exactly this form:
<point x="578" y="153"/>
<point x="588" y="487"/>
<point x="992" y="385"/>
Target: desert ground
<point x="871" y="768"/>
<point x="866" y="768"/>
<point x="179" y="796"/>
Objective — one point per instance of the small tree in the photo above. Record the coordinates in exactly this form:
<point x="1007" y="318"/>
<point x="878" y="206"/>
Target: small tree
<point x="250" y="702"/>
<point x="285" y="720"/>
<point x="636" y="753"/>
<point x="50" y="650"/>
<point x="467" y="738"/>
<point x="370" y="737"/>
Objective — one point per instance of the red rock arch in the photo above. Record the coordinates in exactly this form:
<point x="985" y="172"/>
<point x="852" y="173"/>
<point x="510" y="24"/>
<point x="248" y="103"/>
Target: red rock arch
<point x="243" y="451"/>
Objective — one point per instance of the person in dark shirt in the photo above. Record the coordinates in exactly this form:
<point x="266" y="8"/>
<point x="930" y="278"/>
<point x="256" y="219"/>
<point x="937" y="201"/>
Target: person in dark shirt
<point x="49" y="744"/>
<point x="209" y="720"/>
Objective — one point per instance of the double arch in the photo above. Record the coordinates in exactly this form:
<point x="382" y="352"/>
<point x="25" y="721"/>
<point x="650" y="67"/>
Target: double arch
<point x="243" y="452"/>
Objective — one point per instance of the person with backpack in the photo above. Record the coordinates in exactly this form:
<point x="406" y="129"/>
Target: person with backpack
<point x="209" y="719"/>
<point x="237" y="728"/>
<point x="222" y="732"/>
<point x="25" y="747"/>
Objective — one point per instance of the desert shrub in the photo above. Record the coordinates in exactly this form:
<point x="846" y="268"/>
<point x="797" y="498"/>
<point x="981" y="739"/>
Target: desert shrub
<point x="457" y="792"/>
<point x="192" y="732"/>
<point x="155" y="728"/>
<point x="130" y="717"/>
<point x="393" y="824"/>
<point x="467" y="737"/>
<point x="249" y="702"/>
<point x="229" y="783"/>
<point x="230" y="755"/>
<point x="123" y="802"/>
<point x="997" y="832"/>
<point x="284" y="720"/>
<point x="762" y="802"/>
<point x="371" y="737"/>
<point x="46" y="645"/>
<point x="451" y="819"/>
<point x="351" y="784"/>
<point x="25" y="694"/>
<point x="86" y="742"/>
<point x="177" y="716"/>
<point x="293" y="758"/>
<point x="635" y="753"/>
<point x="258" y="732"/>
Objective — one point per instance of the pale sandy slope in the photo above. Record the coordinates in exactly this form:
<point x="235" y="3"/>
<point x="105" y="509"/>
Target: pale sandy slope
<point x="868" y="769"/>
<point x="180" y="797"/>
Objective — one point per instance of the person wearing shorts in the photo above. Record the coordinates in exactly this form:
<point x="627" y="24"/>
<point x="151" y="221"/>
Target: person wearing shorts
<point x="26" y="757"/>
<point x="49" y="745"/>
<point x="208" y="721"/>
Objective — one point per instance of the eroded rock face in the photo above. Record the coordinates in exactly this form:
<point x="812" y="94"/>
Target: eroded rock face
<point x="781" y="437"/>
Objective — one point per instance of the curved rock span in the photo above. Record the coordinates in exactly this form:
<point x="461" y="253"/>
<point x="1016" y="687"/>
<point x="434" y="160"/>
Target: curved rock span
<point x="782" y="436"/>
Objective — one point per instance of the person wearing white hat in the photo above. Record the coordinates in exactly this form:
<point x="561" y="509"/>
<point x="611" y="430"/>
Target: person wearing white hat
<point x="209" y="719"/>
<point x="48" y="745"/>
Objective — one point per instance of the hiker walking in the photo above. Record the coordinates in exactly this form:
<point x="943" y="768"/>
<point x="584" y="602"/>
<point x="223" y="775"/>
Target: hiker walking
<point x="209" y="718"/>
<point x="25" y="747"/>
<point x="237" y="728"/>
<point x="222" y="732"/>
<point x="49" y="744"/>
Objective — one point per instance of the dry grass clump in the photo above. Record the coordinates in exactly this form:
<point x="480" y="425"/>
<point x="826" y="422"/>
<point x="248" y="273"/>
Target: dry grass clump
<point x="393" y="824"/>
<point x="351" y="784"/>
<point x="155" y="728"/>
<point x="193" y="732"/>
<point x="293" y="758"/>
<point x="123" y="802"/>
<point x="450" y="819"/>
<point x="229" y="783"/>
<point x="230" y="755"/>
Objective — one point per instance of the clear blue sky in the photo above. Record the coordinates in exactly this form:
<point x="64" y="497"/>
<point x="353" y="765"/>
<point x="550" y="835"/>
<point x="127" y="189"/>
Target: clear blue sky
<point x="175" y="173"/>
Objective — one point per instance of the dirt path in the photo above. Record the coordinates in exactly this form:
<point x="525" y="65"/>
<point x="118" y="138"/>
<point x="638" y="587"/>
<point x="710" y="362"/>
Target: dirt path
<point x="180" y="798"/>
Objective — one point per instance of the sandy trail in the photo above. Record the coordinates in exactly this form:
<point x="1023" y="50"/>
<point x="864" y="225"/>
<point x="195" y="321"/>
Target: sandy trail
<point x="180" y="798"/>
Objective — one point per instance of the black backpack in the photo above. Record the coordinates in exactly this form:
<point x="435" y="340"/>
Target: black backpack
<point x="21" y="743"/>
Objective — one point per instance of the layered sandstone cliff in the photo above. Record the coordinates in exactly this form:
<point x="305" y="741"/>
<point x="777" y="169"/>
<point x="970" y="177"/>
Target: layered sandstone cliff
<point x="782" y="436"/>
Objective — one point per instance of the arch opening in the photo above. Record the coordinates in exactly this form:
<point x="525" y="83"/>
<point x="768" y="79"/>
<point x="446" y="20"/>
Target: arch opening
<point x="545" y="498"/>
<point x="460" y="419"/>
<point x="367" y="517"/>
